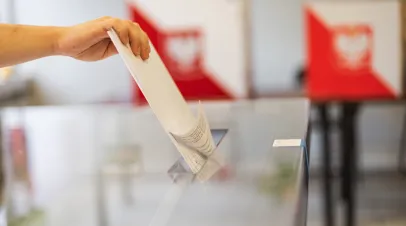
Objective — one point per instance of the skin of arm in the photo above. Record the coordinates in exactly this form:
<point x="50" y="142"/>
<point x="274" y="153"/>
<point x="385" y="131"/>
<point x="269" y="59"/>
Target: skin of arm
<point x="87" y="41"/>
<point x="25" y="43"/>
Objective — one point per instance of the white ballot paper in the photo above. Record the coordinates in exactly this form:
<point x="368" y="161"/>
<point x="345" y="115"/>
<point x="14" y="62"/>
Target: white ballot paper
<point x="191" y="135"/>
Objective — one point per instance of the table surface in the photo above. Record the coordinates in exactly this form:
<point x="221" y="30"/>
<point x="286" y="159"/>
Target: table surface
<point x="130" y="154"/>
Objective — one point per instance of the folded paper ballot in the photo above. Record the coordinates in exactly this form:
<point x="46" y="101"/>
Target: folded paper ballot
<point x="180" y="171"/>
<point x="191" y="135"/>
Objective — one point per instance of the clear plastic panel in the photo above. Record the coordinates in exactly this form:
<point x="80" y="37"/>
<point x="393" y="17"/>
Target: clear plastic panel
<point x="108" y="166"/>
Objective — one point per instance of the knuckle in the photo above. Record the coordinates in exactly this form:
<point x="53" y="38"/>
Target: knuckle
<point x="136" y="43"/>
<point x="135" y="40"/>
<point x="128" y="23"/>
<point x="136" y="25"/>
<point x="137" y="28"/>
<point x="145" y="35"/>
<point x="116" y="21"/>
<point x="105" y="18"/>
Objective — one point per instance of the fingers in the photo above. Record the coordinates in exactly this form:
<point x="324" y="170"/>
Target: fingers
<point x="135" y="38"/>
<point x="139" y="41"/>
<point x="146" y="48"/>
<point x="131" y="34"/>
<point x="110" y="51"/>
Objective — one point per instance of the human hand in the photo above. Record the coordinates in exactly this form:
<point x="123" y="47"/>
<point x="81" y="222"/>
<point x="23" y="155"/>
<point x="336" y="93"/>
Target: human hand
<point x="90" y="42"/>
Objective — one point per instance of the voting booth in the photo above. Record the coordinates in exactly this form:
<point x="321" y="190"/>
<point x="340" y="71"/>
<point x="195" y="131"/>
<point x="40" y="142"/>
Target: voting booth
<point x="355" y="49"/>
<point x="201" y="43"/>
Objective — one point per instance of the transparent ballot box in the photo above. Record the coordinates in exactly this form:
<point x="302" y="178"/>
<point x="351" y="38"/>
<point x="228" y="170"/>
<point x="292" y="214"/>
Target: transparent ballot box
<point x="114" y="165"/>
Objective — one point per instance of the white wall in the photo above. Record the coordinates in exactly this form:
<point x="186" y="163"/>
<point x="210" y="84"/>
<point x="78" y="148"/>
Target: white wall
<point x="4" y="12"/>
<point x="278" y="46"/>
<point x="64" y="80"/>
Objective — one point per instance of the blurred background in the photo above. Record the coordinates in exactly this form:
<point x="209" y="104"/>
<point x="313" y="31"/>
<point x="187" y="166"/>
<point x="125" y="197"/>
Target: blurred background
<point x="62" y="118"/>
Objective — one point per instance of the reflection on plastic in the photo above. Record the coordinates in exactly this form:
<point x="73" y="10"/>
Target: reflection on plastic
<point x="180" y="171"/>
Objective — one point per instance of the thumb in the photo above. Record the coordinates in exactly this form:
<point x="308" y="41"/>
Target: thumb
<point x="110" y="51"/>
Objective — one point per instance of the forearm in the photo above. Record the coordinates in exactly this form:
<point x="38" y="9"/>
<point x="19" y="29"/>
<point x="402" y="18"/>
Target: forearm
<point x="20" y="43"/>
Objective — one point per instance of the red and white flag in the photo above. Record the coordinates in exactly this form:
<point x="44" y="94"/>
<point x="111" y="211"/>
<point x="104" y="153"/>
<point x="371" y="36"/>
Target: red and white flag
<point x="354" y="49"/>
<point x="200" y="42"/>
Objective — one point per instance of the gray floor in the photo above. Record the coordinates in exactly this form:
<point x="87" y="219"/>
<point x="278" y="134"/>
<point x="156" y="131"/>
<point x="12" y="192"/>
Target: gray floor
<point x="381" y="200"/>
